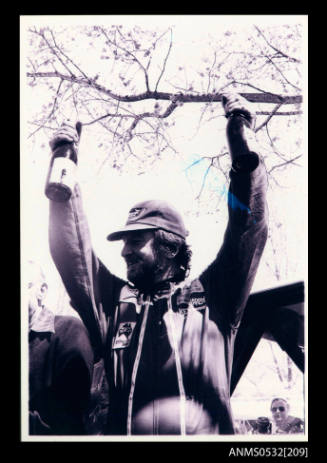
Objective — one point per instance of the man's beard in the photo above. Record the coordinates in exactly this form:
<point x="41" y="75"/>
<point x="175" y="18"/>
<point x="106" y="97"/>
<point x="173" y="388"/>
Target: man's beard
<point x="144" y="274"/>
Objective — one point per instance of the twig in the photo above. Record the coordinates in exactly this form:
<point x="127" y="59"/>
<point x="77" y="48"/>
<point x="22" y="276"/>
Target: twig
<point x="282" y="156"/>
<point x="273" y="112"/>
<point x="278" y="113"/>
<point x="67" y="57"/>
<point x="285" y="163"/>
<point x="247" y="84"/>
<point x="213" y="64"/>
<point x="132" y="55"/>
<point x="276" y="49"/>
<point x="51" y="112"/>
<point x="165" y="60"/>
<point x="54" y="51"/>
<point x="282" y="74"/>
<point x="139" y="117"/>
<point x="113" y="140"/>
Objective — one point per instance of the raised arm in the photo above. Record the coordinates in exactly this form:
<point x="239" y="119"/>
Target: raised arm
<point x="228" y="280"/>
<point x="82" y="273"/>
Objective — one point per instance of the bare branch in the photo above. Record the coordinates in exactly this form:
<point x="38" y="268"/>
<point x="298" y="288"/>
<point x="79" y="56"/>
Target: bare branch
<point x="276" y="49"/>
<point x="185" y="98"/>
<point x="209" y="74"/>
<point x="247" y="84"/>
<point x="200" y="119"/>
<point x="278" y="113"/>
<point x="204" y="178"/>
<point x="67" y="57"/>
<point x="51" y="112"/>
<point x="219" y="167"/>
<point x="41" y="34"/>
<point x="168" y="111"/>
<point x="100" y="121"/>
<point x="282" y="74"/>
<point x="115" y="132"/>
<point x="131" y="54"/>
<point x="165" y="61"/>
<point x="285" y="163"/>
<point x="139" y="117"/>
<point x="109" y="115"/>
<point x="282" y="156"/>
<point x="32" y="64"/>
<point x="41" y="125"/>
<point x="274" y="111"/>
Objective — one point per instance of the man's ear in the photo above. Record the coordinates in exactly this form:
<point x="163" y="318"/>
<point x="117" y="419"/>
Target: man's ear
<point x="171" y="251"/>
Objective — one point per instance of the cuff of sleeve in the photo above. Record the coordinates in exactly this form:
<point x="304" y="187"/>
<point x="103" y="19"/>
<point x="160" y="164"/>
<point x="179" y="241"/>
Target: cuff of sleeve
<point x="246" y="163"/>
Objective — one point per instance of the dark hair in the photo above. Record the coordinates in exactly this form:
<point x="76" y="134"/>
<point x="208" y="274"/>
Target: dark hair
<point x="164" y="240"/>
<point x="278" y="398"/>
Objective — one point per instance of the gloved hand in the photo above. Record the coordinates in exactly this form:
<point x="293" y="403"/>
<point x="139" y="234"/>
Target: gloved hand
<point x="233" y="103"/>
<point x="67" y="133"/>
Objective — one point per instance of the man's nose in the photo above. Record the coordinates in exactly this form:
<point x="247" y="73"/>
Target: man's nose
<point x="126" y="251"/>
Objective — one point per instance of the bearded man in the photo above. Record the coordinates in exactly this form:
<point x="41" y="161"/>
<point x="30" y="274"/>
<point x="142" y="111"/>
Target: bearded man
<point x="167" y="342"/>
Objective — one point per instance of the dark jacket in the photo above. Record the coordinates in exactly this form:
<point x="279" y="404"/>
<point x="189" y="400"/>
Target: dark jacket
<point x="60" y="373"/>
<point x="169" y="363"/>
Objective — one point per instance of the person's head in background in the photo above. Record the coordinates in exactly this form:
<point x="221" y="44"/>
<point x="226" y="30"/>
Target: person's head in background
<point x="279" y="409"/>
<point x="37" y="287"/>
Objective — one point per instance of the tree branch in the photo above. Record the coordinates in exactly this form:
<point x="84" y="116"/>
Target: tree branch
<point x="275" y="150"/>
<point x="131" y="54"/>
<point x="282" y="74"/>
<point x="51" y="112"/>
<point x="67" y="57"/>
<point x="276" y="49"/>
<point x="204" y="178"/>
<point x="274" y="111"/>
<point x="278" y="113"/>
<point x="42" y="35"/>
<point x="165" y="61"/>
<point x="285" y="163"/>
<point x="209" y="74"/>
<point x="139" y="117"/>
<point x="185" y="98"/>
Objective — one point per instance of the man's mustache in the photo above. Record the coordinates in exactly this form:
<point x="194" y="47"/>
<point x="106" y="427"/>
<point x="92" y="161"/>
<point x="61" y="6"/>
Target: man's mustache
<point x="132" y="260"/>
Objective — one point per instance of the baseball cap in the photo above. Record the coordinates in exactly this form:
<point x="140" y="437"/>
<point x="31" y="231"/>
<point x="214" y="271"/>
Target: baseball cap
<point x="152" y="215"/>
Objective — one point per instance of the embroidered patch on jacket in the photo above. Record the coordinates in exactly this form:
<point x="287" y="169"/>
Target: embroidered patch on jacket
<point x="135" y="212"/>
<point x="198" y="300"/>
<point x="124" y="335"/>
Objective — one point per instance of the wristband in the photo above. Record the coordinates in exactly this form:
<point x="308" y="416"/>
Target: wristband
<point x="247" y="116"/>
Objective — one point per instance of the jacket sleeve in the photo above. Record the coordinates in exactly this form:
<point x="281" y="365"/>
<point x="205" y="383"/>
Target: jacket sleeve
<point x="90" y="286"/>
<point x="229" y="278"/>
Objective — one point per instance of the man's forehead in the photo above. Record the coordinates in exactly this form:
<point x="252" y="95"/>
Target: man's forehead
<point x="142" y="234"/>
<point x="278" y="403"/>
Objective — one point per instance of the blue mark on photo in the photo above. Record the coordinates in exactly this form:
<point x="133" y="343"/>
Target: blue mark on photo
<point x="202" y="171"/>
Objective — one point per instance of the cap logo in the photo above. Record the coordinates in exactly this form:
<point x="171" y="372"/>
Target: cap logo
<point x="134" y="213"/>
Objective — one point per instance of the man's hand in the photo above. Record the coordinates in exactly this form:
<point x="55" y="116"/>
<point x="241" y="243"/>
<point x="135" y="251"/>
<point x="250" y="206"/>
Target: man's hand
<point x="233" y="102"/>
<point x="66" y="133"/>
